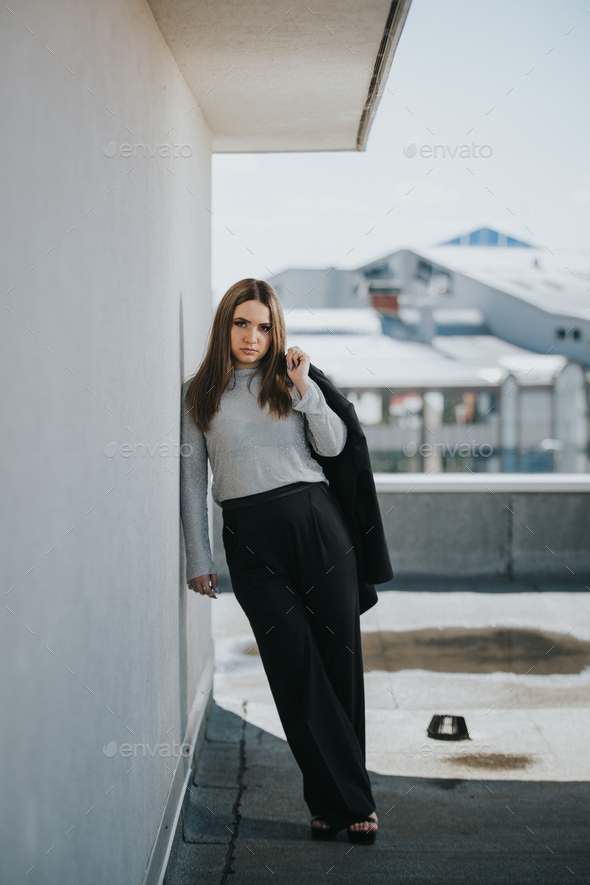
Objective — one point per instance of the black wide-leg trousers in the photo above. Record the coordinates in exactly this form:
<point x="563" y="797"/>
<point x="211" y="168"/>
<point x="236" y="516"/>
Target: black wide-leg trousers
<point x="293" y="570"/>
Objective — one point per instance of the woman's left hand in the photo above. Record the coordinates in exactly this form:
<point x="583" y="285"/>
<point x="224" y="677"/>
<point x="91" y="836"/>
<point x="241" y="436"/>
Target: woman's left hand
<point x="298" y="368"/>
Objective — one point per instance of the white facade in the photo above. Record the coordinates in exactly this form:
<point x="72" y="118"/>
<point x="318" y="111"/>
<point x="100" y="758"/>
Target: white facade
<point x="106" y="261"/>
<point x="572" y="419"/>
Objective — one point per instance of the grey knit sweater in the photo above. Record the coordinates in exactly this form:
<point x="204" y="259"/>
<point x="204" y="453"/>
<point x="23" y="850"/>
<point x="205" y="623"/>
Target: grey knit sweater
<point x="249" y="453"/>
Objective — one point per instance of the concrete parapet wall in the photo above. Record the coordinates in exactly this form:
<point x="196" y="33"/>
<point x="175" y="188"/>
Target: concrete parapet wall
<point x="499" y="525"/>
<point x="509" y="526"/>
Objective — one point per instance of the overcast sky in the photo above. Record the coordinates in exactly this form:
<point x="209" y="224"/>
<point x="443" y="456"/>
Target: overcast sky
<point x="505" y="74"/>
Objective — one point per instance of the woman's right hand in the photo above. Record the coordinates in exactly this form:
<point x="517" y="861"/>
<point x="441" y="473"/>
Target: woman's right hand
<point x="206" y="585"/>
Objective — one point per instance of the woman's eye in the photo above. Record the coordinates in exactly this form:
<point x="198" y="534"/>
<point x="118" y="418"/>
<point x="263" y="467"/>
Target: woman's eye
<point x="264" y="328"/>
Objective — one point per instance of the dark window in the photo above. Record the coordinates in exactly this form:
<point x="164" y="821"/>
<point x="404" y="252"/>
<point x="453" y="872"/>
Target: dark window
<point x="563" y="333"/>
<point x="468" y="407"/>
<point x="378" y="271"/>
<point x="536" y="462"/>
<point x="424" y="270"/>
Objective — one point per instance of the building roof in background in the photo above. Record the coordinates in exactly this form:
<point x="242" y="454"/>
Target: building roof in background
<point x="466" y="317"/>
<point x="273" y="79"/>
<point x="337" y="321"/>
<point x="496" y="358"/>
<point x="362" y="356"/>
<point x="485" y="236"/>
<point x="558" y="284"/>
<point x="374" y="361"/>
<point x="379" y="361"/>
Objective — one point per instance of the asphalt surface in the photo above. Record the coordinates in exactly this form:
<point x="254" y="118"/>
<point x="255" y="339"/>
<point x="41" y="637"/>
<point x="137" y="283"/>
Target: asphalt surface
<point x="244" y="821"/>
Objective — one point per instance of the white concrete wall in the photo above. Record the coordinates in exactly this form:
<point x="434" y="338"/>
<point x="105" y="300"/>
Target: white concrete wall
<point x="107" y="270"/>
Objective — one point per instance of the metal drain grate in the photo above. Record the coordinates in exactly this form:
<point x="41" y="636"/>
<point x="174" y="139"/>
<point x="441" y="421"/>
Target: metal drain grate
<point x="448" y="728"/>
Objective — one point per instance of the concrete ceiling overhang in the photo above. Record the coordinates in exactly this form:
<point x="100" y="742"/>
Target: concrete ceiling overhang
<point x="279" y="77"/>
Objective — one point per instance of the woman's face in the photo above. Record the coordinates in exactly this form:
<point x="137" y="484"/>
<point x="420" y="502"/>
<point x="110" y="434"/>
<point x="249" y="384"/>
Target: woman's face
<point x="250" y="334"/>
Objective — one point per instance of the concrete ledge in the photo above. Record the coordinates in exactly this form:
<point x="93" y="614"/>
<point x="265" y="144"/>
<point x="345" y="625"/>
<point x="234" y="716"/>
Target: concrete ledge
<point x="512" y="534"/>
<point x="195" y="735"/>
<point x="482" y="482"/>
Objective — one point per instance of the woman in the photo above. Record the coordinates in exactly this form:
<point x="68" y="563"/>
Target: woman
<point x="254" y="413"/>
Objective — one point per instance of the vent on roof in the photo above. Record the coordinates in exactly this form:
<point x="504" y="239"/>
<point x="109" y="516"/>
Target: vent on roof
<point x="448" y="728"/>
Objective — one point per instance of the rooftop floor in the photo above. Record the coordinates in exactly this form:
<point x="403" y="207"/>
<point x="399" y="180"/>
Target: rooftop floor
<point x="508" y="805"/>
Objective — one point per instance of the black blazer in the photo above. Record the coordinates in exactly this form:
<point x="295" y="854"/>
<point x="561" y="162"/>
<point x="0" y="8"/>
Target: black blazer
<point x="351" y="479"/>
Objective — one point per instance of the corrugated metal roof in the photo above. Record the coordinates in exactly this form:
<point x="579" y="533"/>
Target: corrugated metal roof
<point x="496" y="358"/>
<point x="379" y="361"/>
<point x="371" y="359"/>
<point x="460" y="316"/>
<point x="558" y="284"/>
<point x="352" y="321"/>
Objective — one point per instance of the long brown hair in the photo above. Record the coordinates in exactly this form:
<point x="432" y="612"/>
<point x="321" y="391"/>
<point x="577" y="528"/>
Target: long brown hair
<point x="215" y="372"/>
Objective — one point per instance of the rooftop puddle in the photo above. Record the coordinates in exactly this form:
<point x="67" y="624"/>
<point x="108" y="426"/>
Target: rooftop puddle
<point x="492" y="762"/>
<point x="481" y="650"/>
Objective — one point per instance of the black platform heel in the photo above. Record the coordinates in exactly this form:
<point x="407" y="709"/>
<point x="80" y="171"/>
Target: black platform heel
<point x="325" y="833"/>
<point x="363" y="837"/>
